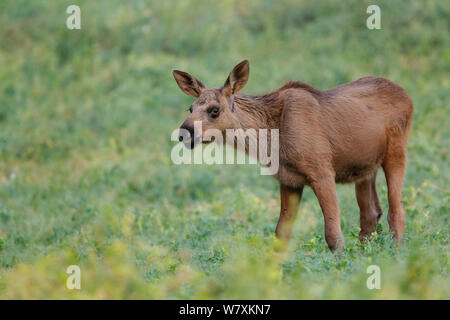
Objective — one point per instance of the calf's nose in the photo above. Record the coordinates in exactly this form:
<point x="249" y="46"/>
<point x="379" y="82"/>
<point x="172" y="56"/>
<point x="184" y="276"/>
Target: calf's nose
<point x="188" y="127"/>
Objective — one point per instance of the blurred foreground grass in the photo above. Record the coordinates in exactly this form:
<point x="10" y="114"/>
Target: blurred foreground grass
<point x="85" y="170"/>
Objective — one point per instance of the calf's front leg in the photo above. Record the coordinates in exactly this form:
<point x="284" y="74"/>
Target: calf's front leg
<point x="290" y="200"/>
<point x="325" y="190"/>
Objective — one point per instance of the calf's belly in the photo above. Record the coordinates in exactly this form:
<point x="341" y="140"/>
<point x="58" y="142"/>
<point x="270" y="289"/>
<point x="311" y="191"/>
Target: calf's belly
<point x="359" y="164"/>
<point x="359" y="152"/>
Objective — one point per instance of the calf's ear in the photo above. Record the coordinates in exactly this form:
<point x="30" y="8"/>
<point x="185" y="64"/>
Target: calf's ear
<point x="188" y="83"/>
<point x="237" y="79"/>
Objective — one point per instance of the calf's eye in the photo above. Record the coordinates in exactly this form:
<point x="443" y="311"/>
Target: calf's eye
<point x="214" y="112"/>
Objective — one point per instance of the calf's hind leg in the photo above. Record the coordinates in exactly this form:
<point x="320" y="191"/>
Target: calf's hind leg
<point x="394" y="166"/>
<point x="369" y="206"/>
<point x="375" y="200"/>
<point x="395" y="171"/>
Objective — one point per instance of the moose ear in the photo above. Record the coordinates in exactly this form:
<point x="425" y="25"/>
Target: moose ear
<point x="188" y="84"/>
<point x="237" y="79"/>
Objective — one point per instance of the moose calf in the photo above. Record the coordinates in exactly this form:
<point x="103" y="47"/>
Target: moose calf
<point x="340" y="135"/>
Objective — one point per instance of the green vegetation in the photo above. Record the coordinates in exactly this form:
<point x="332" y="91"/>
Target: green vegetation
<point x="85" y="170"/>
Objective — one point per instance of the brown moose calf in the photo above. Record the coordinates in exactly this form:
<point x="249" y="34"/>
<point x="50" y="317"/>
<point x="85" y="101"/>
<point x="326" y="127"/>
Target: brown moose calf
<point x="340" y="135"/>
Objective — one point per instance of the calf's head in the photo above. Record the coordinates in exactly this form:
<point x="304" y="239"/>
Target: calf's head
<point x="213" y="107"/>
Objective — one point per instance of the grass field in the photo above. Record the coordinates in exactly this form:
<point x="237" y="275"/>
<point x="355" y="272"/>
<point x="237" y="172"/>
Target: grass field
<point x="86" y="176"/>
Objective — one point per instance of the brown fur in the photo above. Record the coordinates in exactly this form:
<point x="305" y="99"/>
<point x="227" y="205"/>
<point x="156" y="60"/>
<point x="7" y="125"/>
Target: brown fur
<point x="341" y="135"/>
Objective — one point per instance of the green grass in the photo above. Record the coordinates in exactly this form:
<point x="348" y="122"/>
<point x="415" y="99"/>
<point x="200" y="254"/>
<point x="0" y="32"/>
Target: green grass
<point x="85" y="170"/>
